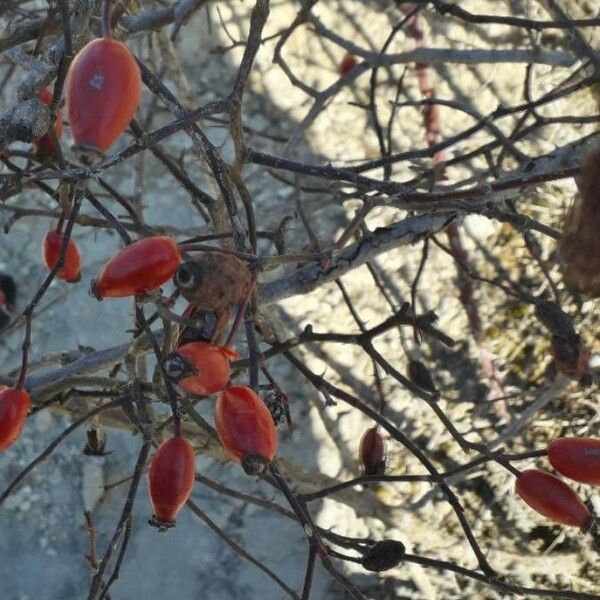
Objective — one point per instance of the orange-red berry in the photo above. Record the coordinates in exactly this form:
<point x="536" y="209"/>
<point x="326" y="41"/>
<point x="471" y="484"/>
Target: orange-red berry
<point x="71" y="269"/>
<point x="140" y="267"/>
<point x="103" y="92"/>
<point x="14" y="406"/>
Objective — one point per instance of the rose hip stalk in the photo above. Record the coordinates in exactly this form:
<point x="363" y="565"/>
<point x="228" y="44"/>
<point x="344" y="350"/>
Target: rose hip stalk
<point x="103" y="92"/>
<point x="171" y="479"/>
<point x="140" y="267"/>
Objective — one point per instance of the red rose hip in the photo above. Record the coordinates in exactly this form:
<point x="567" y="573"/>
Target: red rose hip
<point x="552" y="498"/>
<point x="171" y="479"/>
<point x="577" y="458"/>
<point x="71" y="269"/>
<point x="210" y="363"/>
<point x="347" y="63"/>
<point x="140" y="267"/>
<point x="103" y="92"/>
<point x="14" y="406"/>
<point x="372" y="452"/>
<point x="244" y="424"/>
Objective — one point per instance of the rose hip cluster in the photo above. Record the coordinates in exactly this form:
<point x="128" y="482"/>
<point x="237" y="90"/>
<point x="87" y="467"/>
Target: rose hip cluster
<point x="577" y="458"/>
<point x="103" y="90"/>
<point x="198" y="365"/>
<point x="102" y="94"/>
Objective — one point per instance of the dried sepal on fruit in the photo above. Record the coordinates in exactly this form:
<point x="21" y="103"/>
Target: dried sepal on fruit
<point x="170" y="480"/>
<point x="244" y="424"/>
<point x="577" y="458"/>
<point x="14" y="406"/>
<point x="140" y="267"/>
<point x="95" y="444"/>
<point x="103" y="92"/>
<point x="371" y="452"/>
<point x="214" y="281"/>
<point x="71" y="269"/>
<point x="205" y="328"/>
<point x="552" y="498"/>
<point x="383" y="556"/>
<point x="200" y="368"/>
<point x="579" y="247"/>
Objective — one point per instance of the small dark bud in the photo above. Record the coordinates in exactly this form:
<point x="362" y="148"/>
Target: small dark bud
<point x="419" y="374"/>
<point x="555" y="319"/>
<point x="276" y="402"/>
<point x="96" y="442"/>
<point x="372" y="452"/>
<point x="383" y="555"/>
<point x="253" y="464"/>
<point x="571" y="359"/>
<point x="566" y="354"/>
<point x="8" y="297"/>
<point x="8" y="290"/>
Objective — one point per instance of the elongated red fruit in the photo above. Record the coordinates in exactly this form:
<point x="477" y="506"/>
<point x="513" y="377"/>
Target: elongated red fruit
<point x="103" y="92"/>
<point x="211" y="364"/>
<point x="552" y="498"/>
<point x="244" y="424"/>
<point x="171" y="479"/>
<point x="45" y="144"/>
<point x="71" y="269"/>
<point x="14" y="406"/>
<point x="140" y="267"/>
<point x="577" y="458"/>
<point x="372" y="452"/>
<point x="347" y="63"/>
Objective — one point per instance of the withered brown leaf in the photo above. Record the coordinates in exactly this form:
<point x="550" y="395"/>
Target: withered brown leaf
<point x="579" y="248"/>
<point x="214" y="281"/>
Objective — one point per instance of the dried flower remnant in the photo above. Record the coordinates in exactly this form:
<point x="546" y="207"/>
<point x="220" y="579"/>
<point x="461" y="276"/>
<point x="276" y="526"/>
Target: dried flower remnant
<point x="213" y="281"/>
<point x="383" y="556"/>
